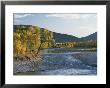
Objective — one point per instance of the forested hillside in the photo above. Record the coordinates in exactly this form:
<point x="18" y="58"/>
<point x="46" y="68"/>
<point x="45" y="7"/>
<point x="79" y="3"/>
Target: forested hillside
<point x="28" y="39"/>
<point x="69" y="38"/>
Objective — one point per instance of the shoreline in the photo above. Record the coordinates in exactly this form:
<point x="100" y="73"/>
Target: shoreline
<point x="25" y="66"/>
<point x="34" y="66"/>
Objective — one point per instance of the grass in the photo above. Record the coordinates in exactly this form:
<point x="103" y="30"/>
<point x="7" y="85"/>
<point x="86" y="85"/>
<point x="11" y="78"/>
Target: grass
<point x="66" y="50"/>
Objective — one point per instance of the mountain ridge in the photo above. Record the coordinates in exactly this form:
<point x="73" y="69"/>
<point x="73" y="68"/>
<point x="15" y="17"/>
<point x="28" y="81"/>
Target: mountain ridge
<point x="59" y="37"/>
<point x="69" y="38"/>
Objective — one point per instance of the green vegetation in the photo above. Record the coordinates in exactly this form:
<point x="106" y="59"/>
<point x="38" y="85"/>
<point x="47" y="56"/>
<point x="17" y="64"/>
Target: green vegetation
<point x="29" y="40"/>
<point x="87" y="44"/>
<point x="66" y="50"/>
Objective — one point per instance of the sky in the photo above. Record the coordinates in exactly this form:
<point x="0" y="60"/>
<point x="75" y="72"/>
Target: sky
<point x="79" y="25"/>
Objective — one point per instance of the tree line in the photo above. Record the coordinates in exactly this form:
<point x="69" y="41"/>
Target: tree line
<point x="87" y="44"/>
<point x="28" y="40"/>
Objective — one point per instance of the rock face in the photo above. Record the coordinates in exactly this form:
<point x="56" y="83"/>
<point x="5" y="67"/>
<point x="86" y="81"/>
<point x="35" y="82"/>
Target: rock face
<point x="24" y="66"/>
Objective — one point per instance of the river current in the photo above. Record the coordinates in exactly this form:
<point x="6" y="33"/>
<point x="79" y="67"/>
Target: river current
<point x="67" y="63"/>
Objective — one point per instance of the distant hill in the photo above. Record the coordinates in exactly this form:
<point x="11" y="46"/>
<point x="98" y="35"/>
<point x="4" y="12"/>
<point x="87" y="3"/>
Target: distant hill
<point x="89" y="37"/>
<point x="20" y="26"/>
<point x="69" y="38"/>
<point x="64" y="37"/>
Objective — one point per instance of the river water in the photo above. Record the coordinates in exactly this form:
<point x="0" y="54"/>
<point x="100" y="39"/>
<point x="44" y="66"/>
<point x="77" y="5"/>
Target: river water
<point x="66" y="63"/>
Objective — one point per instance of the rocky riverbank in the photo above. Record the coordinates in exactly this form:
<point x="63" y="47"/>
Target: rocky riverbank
<point x="74" y="63"/>
<point x="25" y="66"/>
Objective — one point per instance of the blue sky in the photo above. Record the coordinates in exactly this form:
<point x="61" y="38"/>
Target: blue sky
<point x="79" y="25"/>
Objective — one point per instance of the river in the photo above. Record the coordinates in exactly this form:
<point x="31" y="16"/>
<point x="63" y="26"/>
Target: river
<point x="66" y="62"/>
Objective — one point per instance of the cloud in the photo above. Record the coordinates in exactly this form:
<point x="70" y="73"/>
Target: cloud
<point x="17" y="21"/>
<point x="72" y="16"/>
<point x="89" y="15"/>
<point x="17" y="16"/>
<point x="65" y="16"/>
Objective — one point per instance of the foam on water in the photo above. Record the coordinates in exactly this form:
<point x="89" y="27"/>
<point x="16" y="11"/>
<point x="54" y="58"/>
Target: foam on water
<point x="70" y="72"/>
